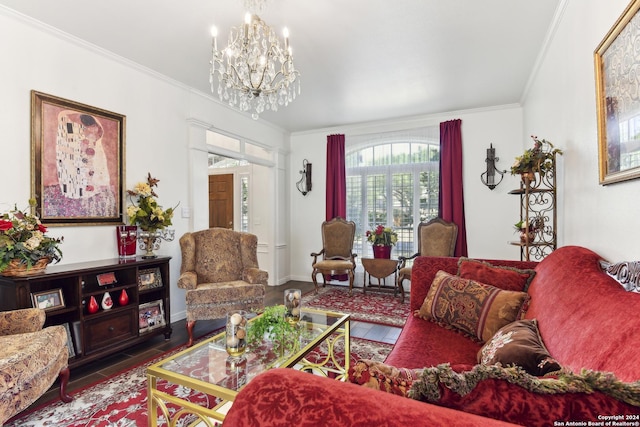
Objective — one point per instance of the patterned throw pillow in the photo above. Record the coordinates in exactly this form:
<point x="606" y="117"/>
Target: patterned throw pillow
<point x="519" y="343"/>
<point x="507" y="278"/>
<point x="471" y="307"/>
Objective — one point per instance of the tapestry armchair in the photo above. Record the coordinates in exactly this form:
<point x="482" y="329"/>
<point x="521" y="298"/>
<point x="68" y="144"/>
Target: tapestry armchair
<point x="337" y="252"/>
<point x="31" y="358"/>
<point x="220" y="273"/>
<point x="436" y="237"/>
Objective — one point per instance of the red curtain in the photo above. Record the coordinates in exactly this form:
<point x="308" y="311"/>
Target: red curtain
<point x="451" y="196"/>
<point x="336" y="178"/>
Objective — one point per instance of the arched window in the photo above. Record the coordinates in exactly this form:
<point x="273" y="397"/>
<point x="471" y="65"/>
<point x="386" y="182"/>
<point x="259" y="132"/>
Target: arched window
<point x="392" y="179"/>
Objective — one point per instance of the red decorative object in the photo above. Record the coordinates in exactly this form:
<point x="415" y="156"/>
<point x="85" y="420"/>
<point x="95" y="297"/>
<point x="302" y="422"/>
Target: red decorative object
<point x="380" y="251"/>
<point x="93" y="305"/>
<point x="124" y="298"/>
<point x="126" y="236"/>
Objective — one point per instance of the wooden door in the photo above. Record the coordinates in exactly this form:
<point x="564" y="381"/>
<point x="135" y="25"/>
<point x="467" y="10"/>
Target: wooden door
<point x="221" y="201"/>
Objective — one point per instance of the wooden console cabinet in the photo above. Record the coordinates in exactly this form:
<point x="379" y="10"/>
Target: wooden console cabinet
<point x="95" y="335"/>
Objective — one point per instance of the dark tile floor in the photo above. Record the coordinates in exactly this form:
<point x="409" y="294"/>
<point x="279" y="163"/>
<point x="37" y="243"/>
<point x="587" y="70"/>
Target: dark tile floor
<point x="97" y="371"/>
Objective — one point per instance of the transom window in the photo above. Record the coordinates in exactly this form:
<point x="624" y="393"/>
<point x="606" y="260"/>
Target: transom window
<point x="395" y="184"/>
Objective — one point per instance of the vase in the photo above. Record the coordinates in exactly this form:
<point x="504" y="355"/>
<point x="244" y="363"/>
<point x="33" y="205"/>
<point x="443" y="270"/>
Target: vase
<point x="381" y="251"/>
<point x="19" y="269"/>
<point x="530" y="235"/>
<point x="92" y="307"/>
<point x="292" y="300"/>
<point x="126" y="239"/>
<point x="528" y="177"/>
<point x="107" y="302"/>
<point x="149" y="241"/>
<point x="236" y="333"/>
<point x="124" y="298"/>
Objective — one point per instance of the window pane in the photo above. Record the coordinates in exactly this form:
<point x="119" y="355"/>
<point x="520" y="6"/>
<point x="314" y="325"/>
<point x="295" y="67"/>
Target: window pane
<point x="244" y="203"/>
<point x="402" y="190"/>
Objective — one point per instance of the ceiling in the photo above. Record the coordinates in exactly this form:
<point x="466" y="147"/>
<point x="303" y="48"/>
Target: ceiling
<point x="360" y="60"/>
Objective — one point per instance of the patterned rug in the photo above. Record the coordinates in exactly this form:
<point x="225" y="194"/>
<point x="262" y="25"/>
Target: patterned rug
<point x="373" y="307"/>
<point x="121" y="401"/>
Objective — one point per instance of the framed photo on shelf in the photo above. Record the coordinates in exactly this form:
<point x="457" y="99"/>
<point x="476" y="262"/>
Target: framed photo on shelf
<point x="150" y="316"/>
<point x="72" y="352"/>
<point x="77" y="155"/>
<point x="149" y="278"/>
<point x="618" y="111"/>
<point x="106" y="279"/>
<point x="51" y="299"/>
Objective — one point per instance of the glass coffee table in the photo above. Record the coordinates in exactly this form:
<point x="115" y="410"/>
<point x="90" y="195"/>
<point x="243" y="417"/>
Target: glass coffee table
<point x="206" y="367"/>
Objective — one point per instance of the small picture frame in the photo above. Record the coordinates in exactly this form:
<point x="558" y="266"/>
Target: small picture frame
<point x="106" y="279"/>
<point x="150" y="316"/>
<point x="72" y="352"/>
<point x="51" y="299"/>
<point x="149" y="278"/>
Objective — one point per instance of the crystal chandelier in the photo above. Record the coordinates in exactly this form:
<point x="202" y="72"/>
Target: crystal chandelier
<point x="254" y="72"/>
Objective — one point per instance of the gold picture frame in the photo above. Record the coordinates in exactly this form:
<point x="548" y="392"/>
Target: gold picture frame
<point x="77" y="162"/>
<point x="618" y="109"/>
<point x="51" y="299"/>
<point x="151" y="316"/>
<point x="149" y="278"/>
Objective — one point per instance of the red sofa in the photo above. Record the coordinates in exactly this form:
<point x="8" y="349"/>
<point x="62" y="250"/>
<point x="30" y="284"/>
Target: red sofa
<point x="586" y="320"/>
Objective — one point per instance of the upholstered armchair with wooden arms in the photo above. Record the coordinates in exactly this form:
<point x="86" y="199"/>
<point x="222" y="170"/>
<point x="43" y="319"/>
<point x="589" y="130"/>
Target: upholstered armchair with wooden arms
<point x="337" y="251"/>
<point x="31" y="358"/>
<point x="220" y="273"/>
<point x="435" y="238"/>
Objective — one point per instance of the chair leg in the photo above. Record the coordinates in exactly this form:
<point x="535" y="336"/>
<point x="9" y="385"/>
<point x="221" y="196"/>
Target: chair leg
<point x="64" y="380"/>
<point x="351" y="279"/>
<point x="190" y="325"/>
<point x="315" y="280"/>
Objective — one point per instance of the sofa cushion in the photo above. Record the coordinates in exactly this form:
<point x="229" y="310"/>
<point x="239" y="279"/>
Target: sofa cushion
<point x="507" y="278"/>
<point x="519" y="343"/>
<point x="471" y="307"/>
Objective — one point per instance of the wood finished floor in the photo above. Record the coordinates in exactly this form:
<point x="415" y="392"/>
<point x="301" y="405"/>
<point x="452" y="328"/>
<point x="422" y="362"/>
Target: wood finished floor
<point x="93" y="372"/>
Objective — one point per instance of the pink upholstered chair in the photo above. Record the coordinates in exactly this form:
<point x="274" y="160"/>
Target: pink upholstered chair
<point x="220" y="273"/>
<point x="435" y="238"/>
<point x="337" y="251"/>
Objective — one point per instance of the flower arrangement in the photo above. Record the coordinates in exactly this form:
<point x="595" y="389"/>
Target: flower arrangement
<point x="22" y="237"/>
<point x="147" y="214"/>
<point x="536" y="159"/>
<point x="382" y="236"/>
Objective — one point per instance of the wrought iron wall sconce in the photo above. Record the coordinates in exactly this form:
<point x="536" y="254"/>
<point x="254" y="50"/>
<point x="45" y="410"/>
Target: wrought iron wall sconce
<point x="304" y="184"/>
<point x="489" y="177"/>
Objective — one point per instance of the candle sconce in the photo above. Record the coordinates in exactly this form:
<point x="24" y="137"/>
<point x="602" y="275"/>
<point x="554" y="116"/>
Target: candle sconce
<point x="304" y="184"/>
<point x="489" y="177"/>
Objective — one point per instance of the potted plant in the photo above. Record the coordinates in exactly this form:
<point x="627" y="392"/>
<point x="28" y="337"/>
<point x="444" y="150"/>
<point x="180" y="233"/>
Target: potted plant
<point x="537" y="159"/>
<point x="24" y="246"/>
<point x="382" y="239"/>
<point x="528" y="230"/>
<point x="273" y="326"/>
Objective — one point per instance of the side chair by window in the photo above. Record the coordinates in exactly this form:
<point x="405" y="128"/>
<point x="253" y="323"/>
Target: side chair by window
<point x="435" y="238"/>
<point x="220" y="273"/>
<point x="337" y="252"/>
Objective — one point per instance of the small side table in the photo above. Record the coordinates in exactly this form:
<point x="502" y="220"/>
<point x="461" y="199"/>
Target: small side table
<point x="381" y="268"/>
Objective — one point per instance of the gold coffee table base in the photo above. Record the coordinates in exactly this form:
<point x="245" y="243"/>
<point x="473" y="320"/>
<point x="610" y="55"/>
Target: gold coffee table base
<point x="318" y="327"/>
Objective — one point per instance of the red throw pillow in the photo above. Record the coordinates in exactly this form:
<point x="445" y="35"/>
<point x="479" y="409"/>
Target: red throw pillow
<point x="507" y="278"/>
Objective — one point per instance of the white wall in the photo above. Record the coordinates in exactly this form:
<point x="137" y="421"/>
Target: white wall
<point x="164" y="131"/>
<point x="561" y="107"/>
<point x="490" y="214"/>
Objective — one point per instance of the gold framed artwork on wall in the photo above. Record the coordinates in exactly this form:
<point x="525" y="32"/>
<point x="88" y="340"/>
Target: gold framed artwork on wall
<point x="617" y="71"/>
<point x="77" y="162"/>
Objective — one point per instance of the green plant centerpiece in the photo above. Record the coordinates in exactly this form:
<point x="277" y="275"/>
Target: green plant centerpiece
<point x="273" y="326"/>
<point x="537" y="159"/>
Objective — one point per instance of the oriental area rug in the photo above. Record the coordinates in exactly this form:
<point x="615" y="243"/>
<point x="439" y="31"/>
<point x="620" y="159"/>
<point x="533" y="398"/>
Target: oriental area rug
<point x="121" y="401"/>
<point x="372" y="307"/>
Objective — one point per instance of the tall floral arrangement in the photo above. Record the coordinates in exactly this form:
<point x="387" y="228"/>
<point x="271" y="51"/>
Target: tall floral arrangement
<point x="145" y="212"/>
<point x="382" y="236"/>
<point x="23" y="237"/>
